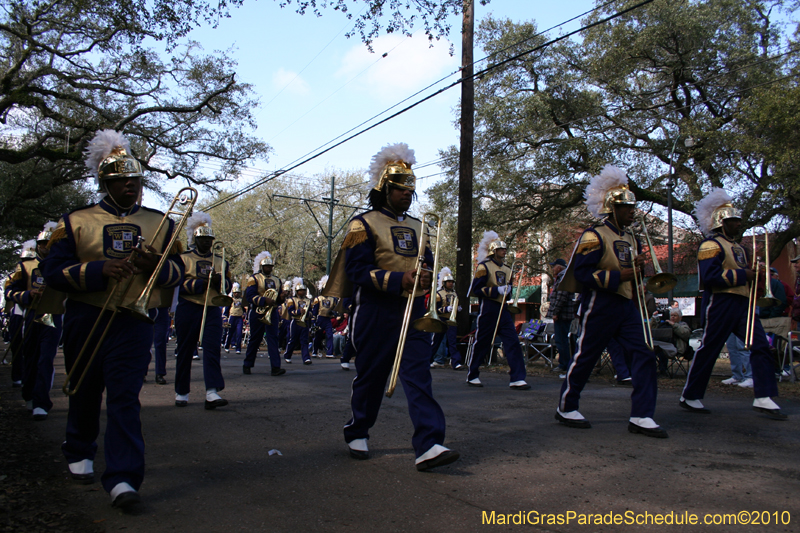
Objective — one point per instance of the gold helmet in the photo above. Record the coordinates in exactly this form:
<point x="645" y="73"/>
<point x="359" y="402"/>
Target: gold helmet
<point x="393" y="165"/>
<point x="46" y="232"/>
<point x="494" y="245"/>
<point x="298" y="285"/>
<point x="108" y="157"/>
<point x="199" y="225"/>
<point x="607" y="189"/>
<point x="712" y="210"/>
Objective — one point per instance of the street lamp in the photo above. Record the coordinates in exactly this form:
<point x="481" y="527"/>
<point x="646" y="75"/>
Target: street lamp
<point x="303" y="257"/>
<point x="688" y="143"/>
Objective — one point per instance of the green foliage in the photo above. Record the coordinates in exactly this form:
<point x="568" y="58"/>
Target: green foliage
<point x="631" y="92"/>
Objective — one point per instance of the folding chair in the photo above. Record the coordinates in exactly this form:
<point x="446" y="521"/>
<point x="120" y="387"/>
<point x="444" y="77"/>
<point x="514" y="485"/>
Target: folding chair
<point x="790" y="353"/>
<point x="537" y="342"/>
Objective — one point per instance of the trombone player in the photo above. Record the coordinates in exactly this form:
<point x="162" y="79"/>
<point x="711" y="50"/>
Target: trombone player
<point x="726" y="280"/>
<point x="90" y="251"/>
<point x="492" y="286"/>
<point x="198" y="315"/>
<point x="378" y="261"/>
<point x="604" y="267"/>
<point x="446" y="301"/>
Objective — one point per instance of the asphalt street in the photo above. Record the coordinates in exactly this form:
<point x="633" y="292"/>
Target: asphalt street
<point x="275" y="459"/>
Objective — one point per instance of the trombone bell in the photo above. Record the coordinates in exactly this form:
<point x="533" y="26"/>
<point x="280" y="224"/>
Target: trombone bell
<point x="222" y="300"/>
<point x="660" y="283"/>
<point x="430" y="323"/>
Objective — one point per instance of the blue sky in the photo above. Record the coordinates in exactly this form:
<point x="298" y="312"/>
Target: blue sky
<point x="314" y="84"/>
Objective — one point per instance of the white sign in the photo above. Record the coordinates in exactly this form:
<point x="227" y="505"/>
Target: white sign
<point x="686" y="305"/>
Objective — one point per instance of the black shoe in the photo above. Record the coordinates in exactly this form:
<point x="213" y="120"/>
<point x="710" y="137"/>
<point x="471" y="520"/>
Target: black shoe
<point x="701" y="410"/>
<point x="246" y="370"/>
<point x="127" y="500"/>
<point x="359" y="454"/>
<point x="520" y="387"/>
<point x="277" y="372"/>
<point x="216" y="403"/>
<point x="580" y="424"/>
<point x="625" y="382"/>
<point x="181" y="403"/>
<point x="444" y="458"/>
<point x="160" y="380"/>
<point x="82" y="479"/>
<point x="774" y="414"/>
<point x="657" y="432"/>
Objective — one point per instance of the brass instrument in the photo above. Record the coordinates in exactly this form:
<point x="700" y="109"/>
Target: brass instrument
<point x="222" y="299"/>
<point x="640" y="300"/>
<point x="513" y="308"/>
<point x="768" y="300"/>
<point x="500" y="314"/>
<point x="266" y="311"/>
<point x="662" y="281"/>
<point x="430" y="321"/>
<point x="302" y="321"/>
<point x="451" y="321"/>
<point x="186" y="197"/>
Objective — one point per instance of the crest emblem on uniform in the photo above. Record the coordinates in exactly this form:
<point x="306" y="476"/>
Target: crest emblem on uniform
<point x="204" y="269"/>
<point x="622" y="250"/>
<point x="326" y="303"/>
<point x="501" y="278"/>
<point x="119" y="240"/>
<point x="269" y="283"/>
<point x="739" y="257"/>
<point x="405" y="241"/>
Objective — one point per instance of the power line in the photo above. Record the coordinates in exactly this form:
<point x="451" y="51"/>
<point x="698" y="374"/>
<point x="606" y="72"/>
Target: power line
<point x="415" y="104"/>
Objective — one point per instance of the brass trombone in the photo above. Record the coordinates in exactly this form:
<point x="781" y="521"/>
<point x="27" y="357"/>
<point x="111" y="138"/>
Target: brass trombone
<point x="451" y="321"/>
<point x="513" y="309"/>
<point x="222" y="299"/>
<point x="640" y="301"/>
<point x="186" y="197"/>
<point x="430" y="321"/>
<point x="768" y="300"/>
<point x="662" y="281"/>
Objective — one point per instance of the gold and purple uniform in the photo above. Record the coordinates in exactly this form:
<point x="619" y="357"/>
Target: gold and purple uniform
<point x="722" y="264"/>
<point x="608" y="311"/>
<point x="189" y="316"/>
<point x="257" y="285"/>
<point x="489" y="277"/>
<point x="445" y="299"/>
<point x="298" y="311"/>
<point x="235" y="314"/>
<point x="379" y="248"/>
<point x="81" y="244"/>
<point x="322" y="308"/>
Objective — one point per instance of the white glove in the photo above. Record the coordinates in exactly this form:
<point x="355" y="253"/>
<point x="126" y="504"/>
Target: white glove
<point x="459" y="308"/>
<point x="505" y="289"/>
<point x="449" y="308"/>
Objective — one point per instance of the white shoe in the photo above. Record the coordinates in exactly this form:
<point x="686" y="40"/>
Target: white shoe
<point x="648" y="423"/>
<point x="195" y="357"/>
<point x="695" y="404"/>
<point x="39" y="414"/>
<point x="227" y="350"/>
<point x="437" y="365"/>
<point x="747" y="383"/>
<point x="330" y="356"/>
<point x="474" y="382"/>
<point x="765" y="403"/>
<point x="238" y="351"/>
<point x="345" y="366"/>
<point x="212" y="396"/>
<point x="730" y="381"/>
<point x="82" y="467"/>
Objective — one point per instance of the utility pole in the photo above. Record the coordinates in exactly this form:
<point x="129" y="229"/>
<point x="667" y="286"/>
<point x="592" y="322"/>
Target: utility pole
<point x="332" y="203"/>
<point x="465" y="167"/>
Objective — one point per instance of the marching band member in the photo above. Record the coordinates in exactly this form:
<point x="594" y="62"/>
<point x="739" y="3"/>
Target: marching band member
<point x="377" y="263"/>
<point x="90" y="250"/>
<point x="322" y="308"/>
<point x="235" y="316"/>
<point x="492" y="285"/>
<point x="258" y="284"/>
<point x="161" y="327"/>
<point x="602" y="268"/>
<point x="445" y="300"/>
<point x="41" y="343"/>
<point x="283" y="329"/>
<point x="347" y="346"/>
<point x="200" y="261"/>
<point x="18" y="294"/>
<point x="726" y="277"/>
<point x="298" y="311"/>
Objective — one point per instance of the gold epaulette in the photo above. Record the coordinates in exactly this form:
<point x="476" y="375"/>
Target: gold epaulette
<point x="588" y="243"/>
<point x="59" y="233"/>
<point x="16" y="276"/>
<point x="708" y="250"/>
<point x="356" y="234"/>
<point x="251" y="282"/>
<point x="480" y="271"/>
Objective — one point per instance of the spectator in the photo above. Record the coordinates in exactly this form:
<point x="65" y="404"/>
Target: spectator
<point x="741" y="373"/>
<point x="795" y="312"/>
<point x="562" y="310"/>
